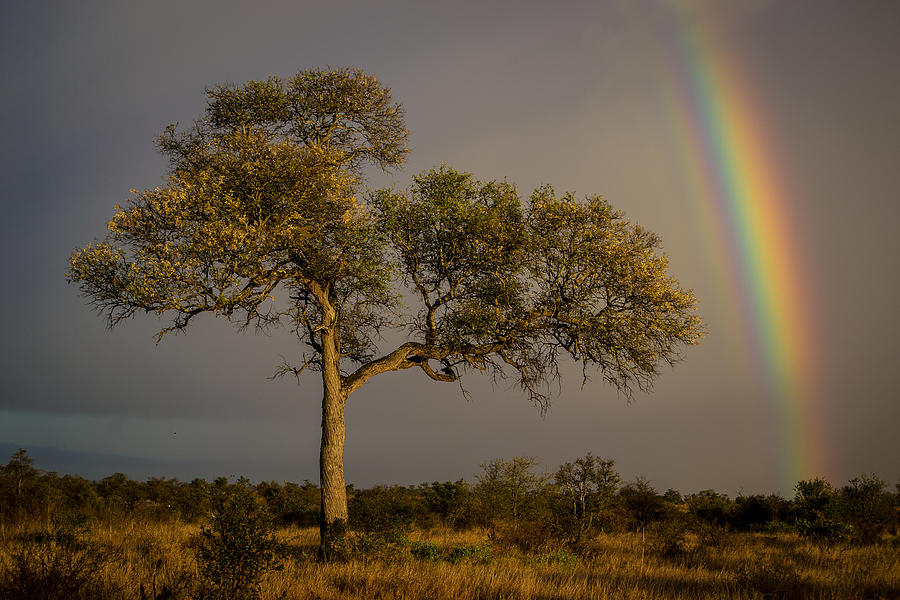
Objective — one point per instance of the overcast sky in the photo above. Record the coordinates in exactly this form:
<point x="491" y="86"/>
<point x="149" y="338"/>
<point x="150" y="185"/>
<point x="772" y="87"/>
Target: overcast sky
<point x="574" y="94"/>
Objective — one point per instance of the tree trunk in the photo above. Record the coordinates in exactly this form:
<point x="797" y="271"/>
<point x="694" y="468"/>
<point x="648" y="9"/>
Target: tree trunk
<point x="333" y="516"/>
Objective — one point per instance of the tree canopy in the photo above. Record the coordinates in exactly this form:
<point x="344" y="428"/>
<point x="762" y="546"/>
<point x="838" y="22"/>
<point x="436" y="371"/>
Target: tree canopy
<point x="264" y="220"/>
<point x="509" y="286"/>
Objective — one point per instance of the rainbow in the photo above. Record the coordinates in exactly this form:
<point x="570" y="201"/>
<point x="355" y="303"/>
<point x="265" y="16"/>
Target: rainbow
<point x="745" y="210"/>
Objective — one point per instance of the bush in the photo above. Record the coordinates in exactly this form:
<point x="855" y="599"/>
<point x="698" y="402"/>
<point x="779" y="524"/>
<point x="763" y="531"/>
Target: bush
<point x="529" y="536"/>
<point x="816" y="514"/>
<point x="49" y="565"/>
<point x="425" y="551"/>
<point x="237" y="548"/>
<point x="710" y="535"/>
<point x="453" y="501"/>
<point x="557" y="557"/>
<point x="823" y="530"/>
<point x="292" y="504"/>
<point x="469" y="553"/>
<point x="643" y="504"/>
<point x="384" y="516"/>
<point x="866" y="506"/>
<point x="757" y="512"/>
<point x="711" y="507"/>
<point x="669" y="538"/>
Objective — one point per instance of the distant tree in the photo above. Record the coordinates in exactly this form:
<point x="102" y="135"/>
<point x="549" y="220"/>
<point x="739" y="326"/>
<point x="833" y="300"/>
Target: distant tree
<point x="194" y="500"/>
<point x="27" y="491"/>
<point x="507" y="489"/>
<point x="19" y="471"/>
<point x="119" y="493"/>
<point x="587" y="487"/>
<point x="385" y="514"/>
<point x="673" y="496"/>
<point x="642" y="502"/>
<point x="758" y="512"/>
<point x="867" y="506"/>
<point x="817" y="511"/>
<point x="711" y="507"/>
<point x="452" y="500"/>
<point x="292" y="503"/>
<point x="260" y="222"/>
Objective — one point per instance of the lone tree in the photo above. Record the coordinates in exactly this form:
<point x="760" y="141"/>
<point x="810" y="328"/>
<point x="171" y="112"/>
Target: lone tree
<point x="260" y="222"/>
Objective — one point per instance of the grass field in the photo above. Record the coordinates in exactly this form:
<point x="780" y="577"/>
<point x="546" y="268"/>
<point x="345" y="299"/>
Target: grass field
<point x="108" y="560"/>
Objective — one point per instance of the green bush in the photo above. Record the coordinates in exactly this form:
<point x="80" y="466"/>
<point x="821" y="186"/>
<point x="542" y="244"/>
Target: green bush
<point x="292" y="504"/>
<point x="711" y="507"/>
<point x="425" y="551"/>
<point x="816" y="512"/>
<point x="558" y="557"/>
<point x="866" y="505"/>
<point x="643" y="504"/>
<point x="469" y="553"/>
<point x="386" y="511"/>
<point x="755" y="512"/>
<point x="237" y="548"/>
<point x="452" y="501"/>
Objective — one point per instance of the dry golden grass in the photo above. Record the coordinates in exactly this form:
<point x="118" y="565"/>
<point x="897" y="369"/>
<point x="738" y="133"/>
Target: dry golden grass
<point x="620" y="566"/>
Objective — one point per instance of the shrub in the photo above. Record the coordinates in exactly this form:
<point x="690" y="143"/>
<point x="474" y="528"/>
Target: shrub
<point x="557" y="557"/>
<point x="469" y="553"/>
<point x="669" y="537"/>
<point x="528" y="536"/>
<point x="425" y="551"/>
<point x="866" y="505"/>
<point x="237" y="548"/>
<point x="673" y="496"/>
<point x="816" y="513"/>
<point x="711" y="507"/>
<point x="756" y="512"/>
<point x="383" y="516"/>
<point x="453" y="501"/>
<point x="823" y="529"/>
<point x="710" y="535"/>
<point x="48" y="565"/>
<point x="194" y="500"/>
<point x="643" y="504"/>
<point x="292" y="503"/>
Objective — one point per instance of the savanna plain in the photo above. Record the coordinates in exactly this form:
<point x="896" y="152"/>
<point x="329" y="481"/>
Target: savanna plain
<point x="516" y="532"/>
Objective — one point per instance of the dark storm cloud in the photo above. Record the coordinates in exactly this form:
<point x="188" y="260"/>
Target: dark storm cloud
<point x="562" y="93"/>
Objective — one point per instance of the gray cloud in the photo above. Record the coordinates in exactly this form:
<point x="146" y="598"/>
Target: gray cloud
<point x="536" y="92"/>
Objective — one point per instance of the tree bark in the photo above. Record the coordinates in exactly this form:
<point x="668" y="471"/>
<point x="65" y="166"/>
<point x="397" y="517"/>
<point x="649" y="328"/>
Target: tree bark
<point x="333" y="516"/>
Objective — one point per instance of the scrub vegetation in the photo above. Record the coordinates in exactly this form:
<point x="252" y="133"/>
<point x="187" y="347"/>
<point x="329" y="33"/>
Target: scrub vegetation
<point x="514" y="532"/>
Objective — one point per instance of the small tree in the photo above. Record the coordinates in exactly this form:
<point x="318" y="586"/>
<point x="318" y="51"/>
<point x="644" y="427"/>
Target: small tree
<point x="260" y="222"/>
<point x="587" y="486"/>
<point x="642" y="502"/>
<point x="711" y="507"/>
<point x="452" y="500"/>
<point x="237" y="548"/>
<point x="816" y="511"/>
<point x="673" y="496"/>
<point x="866" y="505"/>
<point x="507" y="489"/>
<point x="17" y="478"/>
